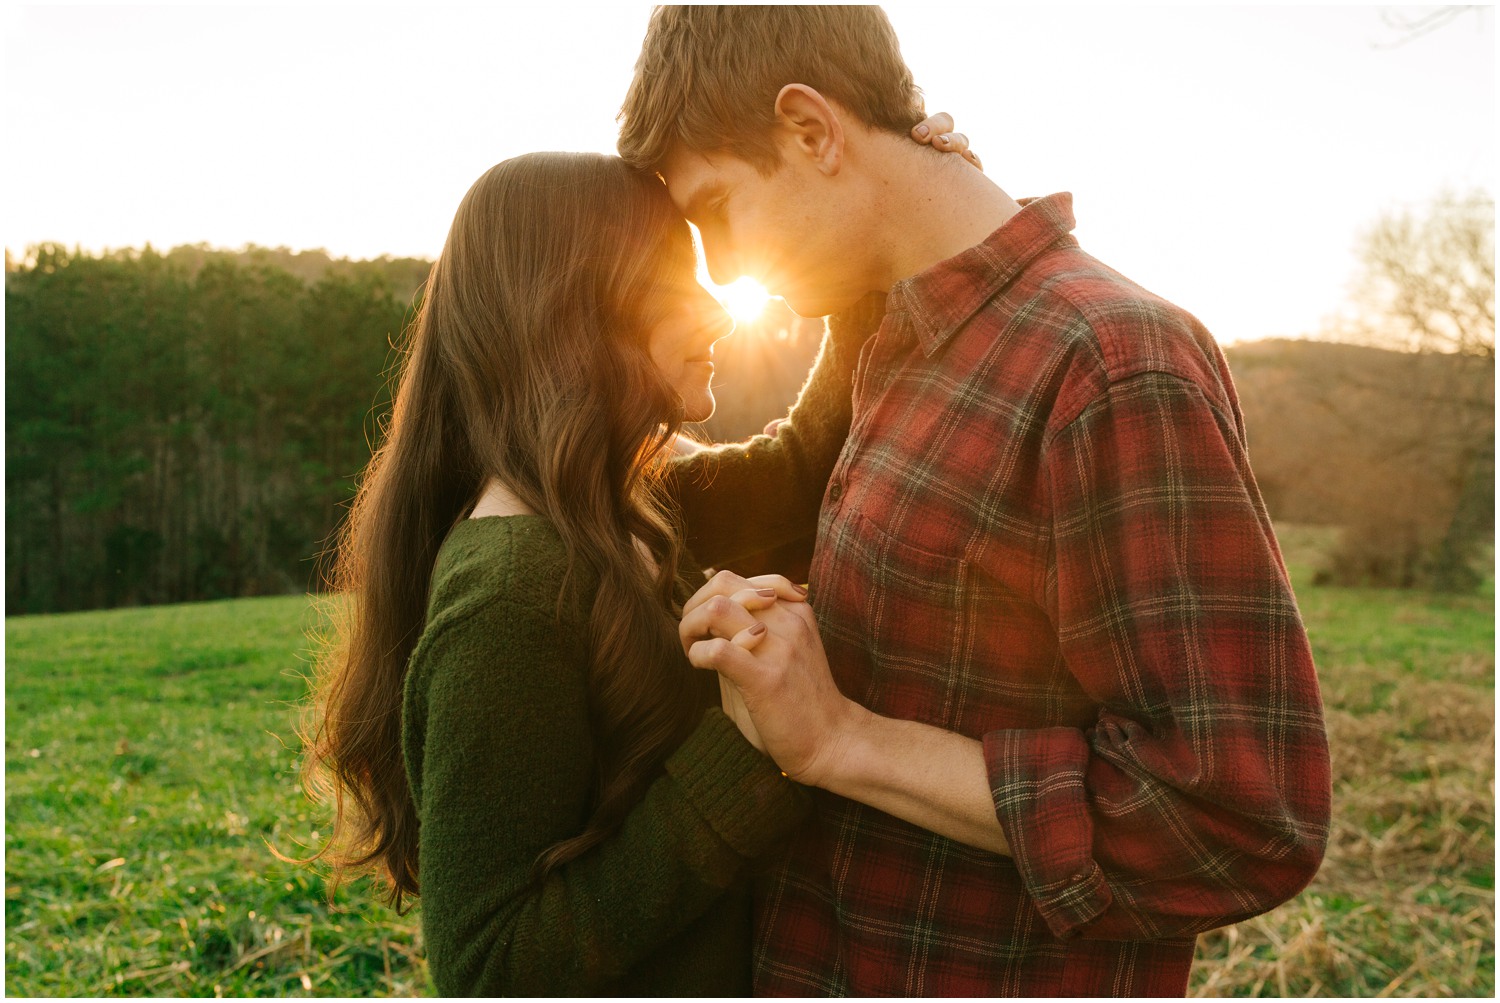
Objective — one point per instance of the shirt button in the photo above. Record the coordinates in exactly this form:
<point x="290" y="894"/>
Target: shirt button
<point x="836" y="491"/>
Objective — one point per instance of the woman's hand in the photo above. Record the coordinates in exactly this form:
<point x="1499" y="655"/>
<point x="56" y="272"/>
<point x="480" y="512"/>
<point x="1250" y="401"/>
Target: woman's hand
<point x="748" y="595"/>
<point x="937" y="132"/>
<point x="729" y="598"/>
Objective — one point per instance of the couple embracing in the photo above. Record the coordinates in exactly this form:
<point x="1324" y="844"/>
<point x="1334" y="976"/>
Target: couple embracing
<point x="1045" y="709"/>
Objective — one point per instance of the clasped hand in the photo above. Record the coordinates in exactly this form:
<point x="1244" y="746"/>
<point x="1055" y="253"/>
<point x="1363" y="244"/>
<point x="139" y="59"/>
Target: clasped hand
<point x="759" y="635"/>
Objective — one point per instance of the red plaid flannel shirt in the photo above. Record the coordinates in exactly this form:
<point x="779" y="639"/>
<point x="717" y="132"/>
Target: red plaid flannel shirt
<point x="1043" y="533"/>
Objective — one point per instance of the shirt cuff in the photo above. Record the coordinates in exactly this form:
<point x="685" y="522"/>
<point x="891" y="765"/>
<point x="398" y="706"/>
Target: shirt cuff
<point x="1036" y="779"/>
<point x="740" y="792"/>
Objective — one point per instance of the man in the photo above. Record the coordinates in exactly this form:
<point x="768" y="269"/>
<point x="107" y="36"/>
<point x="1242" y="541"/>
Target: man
<point x="1057" y="702"/>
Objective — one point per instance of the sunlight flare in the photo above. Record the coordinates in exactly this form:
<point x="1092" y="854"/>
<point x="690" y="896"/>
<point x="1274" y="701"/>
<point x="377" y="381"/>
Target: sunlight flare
<point x="744" y="298"/>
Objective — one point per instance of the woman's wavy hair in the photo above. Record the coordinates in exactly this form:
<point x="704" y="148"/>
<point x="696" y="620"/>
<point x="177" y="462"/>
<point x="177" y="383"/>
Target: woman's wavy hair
<point x="527" y="361"/>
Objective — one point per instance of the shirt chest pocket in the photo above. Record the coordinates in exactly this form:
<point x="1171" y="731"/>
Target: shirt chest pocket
<point x="897" y="629"/>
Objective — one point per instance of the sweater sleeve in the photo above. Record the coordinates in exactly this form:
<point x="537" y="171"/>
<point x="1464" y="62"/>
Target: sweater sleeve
<point x="764" y="493"/>
<point x="498" y="721"/>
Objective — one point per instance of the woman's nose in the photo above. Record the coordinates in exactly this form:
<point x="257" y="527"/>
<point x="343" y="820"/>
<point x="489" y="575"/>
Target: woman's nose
<point x="712" y="318"/>
<point x="719" y="321"/>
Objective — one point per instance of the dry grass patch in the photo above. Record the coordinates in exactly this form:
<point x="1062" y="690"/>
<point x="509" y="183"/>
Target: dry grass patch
<point x="1404" y="904"/>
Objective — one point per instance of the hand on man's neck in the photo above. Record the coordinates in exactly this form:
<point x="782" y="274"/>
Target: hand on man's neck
<point x="930" y="206"/>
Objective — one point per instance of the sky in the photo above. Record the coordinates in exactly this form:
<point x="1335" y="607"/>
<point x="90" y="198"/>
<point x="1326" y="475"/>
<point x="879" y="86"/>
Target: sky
<point x="1225" y="157"/>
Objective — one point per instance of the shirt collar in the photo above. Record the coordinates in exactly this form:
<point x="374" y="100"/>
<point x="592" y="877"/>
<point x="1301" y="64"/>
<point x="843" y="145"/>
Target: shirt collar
<point x="939" y="300"/>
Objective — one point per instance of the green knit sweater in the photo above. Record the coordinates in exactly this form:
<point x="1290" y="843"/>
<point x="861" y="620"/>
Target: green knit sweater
<point x="499" y="753"/>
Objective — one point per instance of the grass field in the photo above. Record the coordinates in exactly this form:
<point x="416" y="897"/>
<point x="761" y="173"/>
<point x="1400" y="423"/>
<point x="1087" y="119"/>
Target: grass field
<point x="150" y="759"/>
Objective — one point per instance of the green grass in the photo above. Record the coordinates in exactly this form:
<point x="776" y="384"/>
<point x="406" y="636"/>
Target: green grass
<point x="151" y="759"/>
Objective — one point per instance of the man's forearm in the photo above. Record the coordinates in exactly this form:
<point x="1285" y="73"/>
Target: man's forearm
<point x="921" y="774"/>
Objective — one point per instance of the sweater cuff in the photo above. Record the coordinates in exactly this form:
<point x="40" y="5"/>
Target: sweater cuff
<point x="1036" y="780"/>
<point x="740" y="792"/>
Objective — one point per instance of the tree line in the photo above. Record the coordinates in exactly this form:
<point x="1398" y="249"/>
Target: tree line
<point x="192" y="425"/>
<point x="189" y="425"/>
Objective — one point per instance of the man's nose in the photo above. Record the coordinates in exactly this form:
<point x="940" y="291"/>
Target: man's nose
<point x="723" y="264"/>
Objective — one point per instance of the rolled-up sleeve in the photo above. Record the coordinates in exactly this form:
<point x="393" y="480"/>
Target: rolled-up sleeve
<point x="1200" y="794"/>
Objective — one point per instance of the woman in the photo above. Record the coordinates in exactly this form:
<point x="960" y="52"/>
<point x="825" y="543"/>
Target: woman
<point x="585" y="826"/>
<point x="509" y="714"/>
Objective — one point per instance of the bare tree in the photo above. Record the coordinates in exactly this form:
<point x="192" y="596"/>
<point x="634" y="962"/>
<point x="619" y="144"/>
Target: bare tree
<point x="1429" y="277"/>
<point x="1427" y="287"/>
<point x="1410" y="27"/>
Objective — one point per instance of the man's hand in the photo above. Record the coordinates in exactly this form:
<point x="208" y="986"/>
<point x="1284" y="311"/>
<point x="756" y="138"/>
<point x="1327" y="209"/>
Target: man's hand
<point x="783" y="679"/>
<point x="937" y="132"/>
<point x="733" y="703"/>
<point x="759" y="635"/>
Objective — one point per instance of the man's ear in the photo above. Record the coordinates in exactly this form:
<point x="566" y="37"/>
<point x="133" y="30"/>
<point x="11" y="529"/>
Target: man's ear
<point x="813" y="126"/>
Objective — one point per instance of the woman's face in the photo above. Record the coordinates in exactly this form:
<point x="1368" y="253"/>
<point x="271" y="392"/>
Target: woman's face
<point x="682" y="346"/>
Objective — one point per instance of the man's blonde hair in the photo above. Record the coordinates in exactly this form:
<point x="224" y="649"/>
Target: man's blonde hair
<point x="708" y="77"/>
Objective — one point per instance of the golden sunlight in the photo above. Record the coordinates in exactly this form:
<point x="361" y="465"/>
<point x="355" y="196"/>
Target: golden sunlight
<point x="744" y="298"/>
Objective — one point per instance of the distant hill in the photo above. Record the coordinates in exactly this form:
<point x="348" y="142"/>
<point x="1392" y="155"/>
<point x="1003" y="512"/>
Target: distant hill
<point x="1336" y="429"/>
<point x="1396" y="448"/>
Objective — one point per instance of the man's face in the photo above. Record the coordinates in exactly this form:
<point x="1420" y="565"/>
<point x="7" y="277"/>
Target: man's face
<point x="783" y="229"/>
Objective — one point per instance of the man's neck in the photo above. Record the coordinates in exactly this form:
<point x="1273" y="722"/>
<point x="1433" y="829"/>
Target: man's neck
<point x="929" y="207"/>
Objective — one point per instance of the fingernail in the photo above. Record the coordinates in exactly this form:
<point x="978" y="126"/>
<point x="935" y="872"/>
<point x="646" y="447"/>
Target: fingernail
<point x="945" y="139"/>
<point x="922" y="131"/>
<point x="800" y="590"/>
<point x="757" y="629"/>
<point x="766" y="593"/>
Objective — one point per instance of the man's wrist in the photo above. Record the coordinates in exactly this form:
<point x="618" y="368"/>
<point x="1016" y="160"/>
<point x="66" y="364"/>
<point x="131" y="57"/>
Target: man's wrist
<point x="843" y="757"/>
<point x="930" y="777"/>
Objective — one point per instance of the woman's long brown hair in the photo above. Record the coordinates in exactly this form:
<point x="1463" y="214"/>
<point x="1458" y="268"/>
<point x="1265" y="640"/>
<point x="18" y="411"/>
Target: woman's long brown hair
<point x="528" y="361"/>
